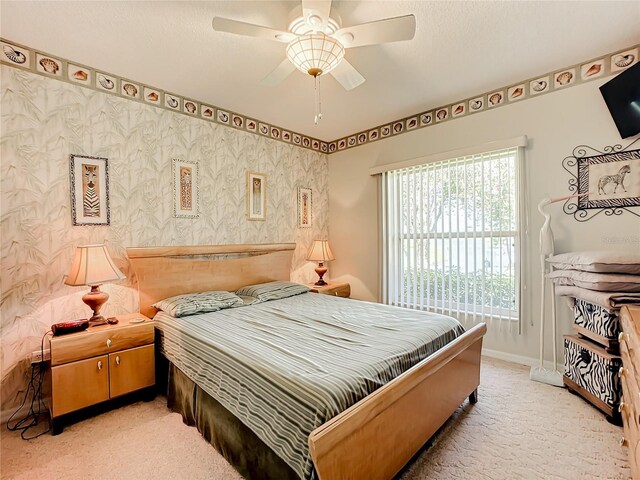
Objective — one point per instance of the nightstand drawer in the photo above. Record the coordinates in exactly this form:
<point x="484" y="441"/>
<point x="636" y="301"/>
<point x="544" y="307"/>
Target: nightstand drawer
<point x="340" y="291"/>
<point x="79" y="384"/>
<point x="131" y="370"/>
<point x="333" y="289"/>
<point x="99" y="341"/>
<point x="132" y="336"/>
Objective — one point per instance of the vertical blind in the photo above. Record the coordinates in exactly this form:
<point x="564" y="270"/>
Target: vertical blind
<point x="452" y="236"/>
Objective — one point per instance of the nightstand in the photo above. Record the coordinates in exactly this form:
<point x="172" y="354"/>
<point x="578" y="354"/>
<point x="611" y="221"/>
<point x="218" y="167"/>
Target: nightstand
<point x="99" y="364"/>
<point x="335" y="289"/>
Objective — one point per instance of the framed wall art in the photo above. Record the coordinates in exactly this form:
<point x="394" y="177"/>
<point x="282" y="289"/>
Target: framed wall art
<point x="89" y="181"/>
<point x="305" y="196"/>
<point x="186" y="191"/>
<point x="256" y="196"/>
<point x="603" y="181"/>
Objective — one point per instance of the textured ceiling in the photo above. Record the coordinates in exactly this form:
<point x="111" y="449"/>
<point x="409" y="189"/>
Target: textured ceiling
<point x="460" y="49"/>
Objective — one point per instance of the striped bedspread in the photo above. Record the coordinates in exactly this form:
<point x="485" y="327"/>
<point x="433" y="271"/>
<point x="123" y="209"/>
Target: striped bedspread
<point x="287" y="366"/>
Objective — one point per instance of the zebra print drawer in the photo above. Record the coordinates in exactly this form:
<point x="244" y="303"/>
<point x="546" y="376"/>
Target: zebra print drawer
<point x="597" y="323"/>
<point x="589" y="367"/>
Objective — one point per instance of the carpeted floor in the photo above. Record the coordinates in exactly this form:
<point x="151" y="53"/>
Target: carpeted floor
<point x="518" y="430"/>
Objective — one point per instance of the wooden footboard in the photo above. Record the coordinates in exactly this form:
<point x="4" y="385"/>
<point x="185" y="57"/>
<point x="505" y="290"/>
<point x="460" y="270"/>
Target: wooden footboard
<point x="377" y="436"/>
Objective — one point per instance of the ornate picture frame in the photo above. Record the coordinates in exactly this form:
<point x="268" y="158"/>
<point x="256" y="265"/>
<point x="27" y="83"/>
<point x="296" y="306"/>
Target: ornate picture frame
<point x="186" y="188"/>
<point x="89" y="189"/>
<point x="305" y="207"/>
<point x="605" y="180"/>
<point x="256" y="196"/>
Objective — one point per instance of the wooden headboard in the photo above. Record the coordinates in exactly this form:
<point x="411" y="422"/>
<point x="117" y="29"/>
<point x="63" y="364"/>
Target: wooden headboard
<point x="163" y="272"/>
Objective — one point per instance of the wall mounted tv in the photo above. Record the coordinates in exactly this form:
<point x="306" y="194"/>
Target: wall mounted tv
<point x="622" y="96"/>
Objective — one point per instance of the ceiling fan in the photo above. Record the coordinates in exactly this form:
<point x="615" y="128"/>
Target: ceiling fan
<point x="316" y="42"/>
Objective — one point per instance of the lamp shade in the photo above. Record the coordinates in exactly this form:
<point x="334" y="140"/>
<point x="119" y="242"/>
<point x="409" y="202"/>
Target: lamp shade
<point x="320" y="251"/>
<point x="315" y="53"/>
<point x="92" y="265"/>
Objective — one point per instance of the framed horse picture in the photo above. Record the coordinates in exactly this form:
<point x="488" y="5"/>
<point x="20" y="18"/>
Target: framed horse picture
<point x="606" y="180"/>
<point x="611" y="180"/>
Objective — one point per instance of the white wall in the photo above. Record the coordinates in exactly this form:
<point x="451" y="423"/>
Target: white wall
<point x="554" y="123"/>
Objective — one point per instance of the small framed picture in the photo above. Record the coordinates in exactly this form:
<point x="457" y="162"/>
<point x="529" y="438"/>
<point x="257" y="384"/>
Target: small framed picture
<point x="305" y="196"/>
<point x="89" y="180"/>
<point x="186" y="194"/>
<point x="256" y="196"/>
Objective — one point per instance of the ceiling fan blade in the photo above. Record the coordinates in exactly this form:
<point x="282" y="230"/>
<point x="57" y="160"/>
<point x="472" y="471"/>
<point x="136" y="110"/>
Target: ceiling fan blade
<point x="347" y="76"/>
<point x="221" y="24"/>
<point x="380" y="31"/>
<point x="281" y="72"/>
<point x="316" y="13"/>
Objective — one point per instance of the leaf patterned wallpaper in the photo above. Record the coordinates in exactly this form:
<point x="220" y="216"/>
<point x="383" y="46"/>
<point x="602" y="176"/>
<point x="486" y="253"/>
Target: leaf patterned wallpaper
<point x="44" y="120"/>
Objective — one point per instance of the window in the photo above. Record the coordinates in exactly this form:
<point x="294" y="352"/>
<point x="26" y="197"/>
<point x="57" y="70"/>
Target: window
<point x="451" y="236"/>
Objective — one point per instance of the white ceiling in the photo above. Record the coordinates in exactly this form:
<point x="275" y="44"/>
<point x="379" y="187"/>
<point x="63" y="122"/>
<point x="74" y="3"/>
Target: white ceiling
<point x="460" y="49"/>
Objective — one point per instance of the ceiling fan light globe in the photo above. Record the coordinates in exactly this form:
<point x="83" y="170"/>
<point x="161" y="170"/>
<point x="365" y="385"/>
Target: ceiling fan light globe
<point x="315" y="52"/>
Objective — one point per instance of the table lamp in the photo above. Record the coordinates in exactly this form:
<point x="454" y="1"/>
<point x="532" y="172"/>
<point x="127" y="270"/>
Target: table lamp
<point x="93" y="266"/>
<point x="320" y="252"/>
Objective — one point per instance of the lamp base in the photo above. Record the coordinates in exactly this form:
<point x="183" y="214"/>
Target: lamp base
<point x="97" y="320"/>
<point x="94" y="300"/>
<point x="321" y="270"/>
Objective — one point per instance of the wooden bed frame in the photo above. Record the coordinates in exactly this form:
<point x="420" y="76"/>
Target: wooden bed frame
<point x="376" y="437"/>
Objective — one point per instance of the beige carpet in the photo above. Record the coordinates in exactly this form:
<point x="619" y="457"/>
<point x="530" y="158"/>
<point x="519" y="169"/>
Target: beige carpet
<point x="518" y="430"/>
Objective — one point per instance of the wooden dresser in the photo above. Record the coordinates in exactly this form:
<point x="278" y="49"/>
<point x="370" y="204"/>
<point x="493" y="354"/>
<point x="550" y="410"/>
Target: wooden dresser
<point x="99" y="364"/>
<point x="334" y="289"/>
<point x="630" y="378"/>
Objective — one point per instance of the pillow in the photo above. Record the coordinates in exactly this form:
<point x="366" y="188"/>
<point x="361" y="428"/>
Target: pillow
<point x="264" y="292"/>
<point x="192" y="303"/>
<point x="598" y="261"/>
<point x="247" y="300"/>
<point x="602" y="282"/>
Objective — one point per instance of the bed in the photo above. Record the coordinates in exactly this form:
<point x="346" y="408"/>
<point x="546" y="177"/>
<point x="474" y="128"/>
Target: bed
<point x="357" y="393"/>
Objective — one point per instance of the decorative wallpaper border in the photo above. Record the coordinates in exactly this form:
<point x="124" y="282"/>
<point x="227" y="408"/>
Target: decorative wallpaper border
<point x="20" y="56"/>
<point x="577" y="74"/>
<point x="54" y="66"/>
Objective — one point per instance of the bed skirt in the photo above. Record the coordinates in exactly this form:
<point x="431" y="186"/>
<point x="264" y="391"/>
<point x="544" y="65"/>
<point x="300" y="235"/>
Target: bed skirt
<point x="249" y="455"/>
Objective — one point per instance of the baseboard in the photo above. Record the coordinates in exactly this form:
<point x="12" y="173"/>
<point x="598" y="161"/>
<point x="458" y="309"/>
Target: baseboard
<point x="519" y="359"/>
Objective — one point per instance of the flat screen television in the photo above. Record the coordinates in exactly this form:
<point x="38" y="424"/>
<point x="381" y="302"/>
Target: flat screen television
<point x="622" y="96"/>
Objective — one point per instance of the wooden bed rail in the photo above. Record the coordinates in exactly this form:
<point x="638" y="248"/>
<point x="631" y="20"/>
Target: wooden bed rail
<point x="377" y="436"/>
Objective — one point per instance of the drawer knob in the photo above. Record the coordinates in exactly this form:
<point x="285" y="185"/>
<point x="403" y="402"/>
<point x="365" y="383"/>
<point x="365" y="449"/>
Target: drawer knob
<point x="624" y="442"/>
<point x="623" y="337"/>
<point x="99" y="364"/>
<point x="621" y="372"/>
<point x="118" y="362"/>
<point x="108" y="342"/>
<point x="622" y="407"/>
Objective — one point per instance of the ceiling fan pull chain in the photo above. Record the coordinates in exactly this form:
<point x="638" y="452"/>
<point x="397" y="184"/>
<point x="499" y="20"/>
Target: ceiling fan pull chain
<point x="319" y="101"/>
<point x="316" y="88"/>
